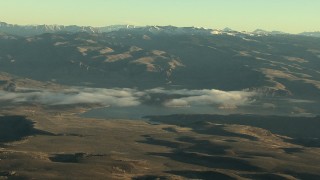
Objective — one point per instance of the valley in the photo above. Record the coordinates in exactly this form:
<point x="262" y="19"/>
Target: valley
<point x="158" y="102"/>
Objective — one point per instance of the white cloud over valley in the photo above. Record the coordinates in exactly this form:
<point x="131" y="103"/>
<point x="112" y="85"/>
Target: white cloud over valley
<point x="124" y="97"/>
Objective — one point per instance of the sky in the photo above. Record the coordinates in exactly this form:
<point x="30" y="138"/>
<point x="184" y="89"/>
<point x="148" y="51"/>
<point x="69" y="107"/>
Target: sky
<point x="291" y="16"/>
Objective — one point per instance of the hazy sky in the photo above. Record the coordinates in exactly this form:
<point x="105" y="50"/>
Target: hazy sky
<point x="286" y="15"/>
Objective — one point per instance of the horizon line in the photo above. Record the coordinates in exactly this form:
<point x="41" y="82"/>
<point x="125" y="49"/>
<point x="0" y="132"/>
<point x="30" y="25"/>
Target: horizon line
<point x="199" y="27"/>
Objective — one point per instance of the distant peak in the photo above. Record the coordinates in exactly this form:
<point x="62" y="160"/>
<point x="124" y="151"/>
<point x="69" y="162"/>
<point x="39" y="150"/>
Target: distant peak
<point x="228" y="29"/>
<point x="260" y="30"/>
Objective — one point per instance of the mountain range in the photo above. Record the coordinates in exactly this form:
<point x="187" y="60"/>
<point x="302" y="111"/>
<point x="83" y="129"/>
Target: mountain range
<point x="30" y="30"/>
<point x="219" y="104"/>
<point x="272" y="64"/>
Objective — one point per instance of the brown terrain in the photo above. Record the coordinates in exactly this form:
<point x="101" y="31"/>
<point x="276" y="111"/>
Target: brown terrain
<point x="44" y="137"/>
<point x="41" y="143"/>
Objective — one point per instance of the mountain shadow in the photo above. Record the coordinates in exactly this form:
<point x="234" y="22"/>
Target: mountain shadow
<point x="15" y="128"/>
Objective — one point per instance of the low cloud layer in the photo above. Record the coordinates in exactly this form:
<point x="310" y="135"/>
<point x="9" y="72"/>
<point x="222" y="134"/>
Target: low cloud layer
<point x="112" y="97"/>
<point x="130" y="97"/>
<point x="224" y="99"/>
